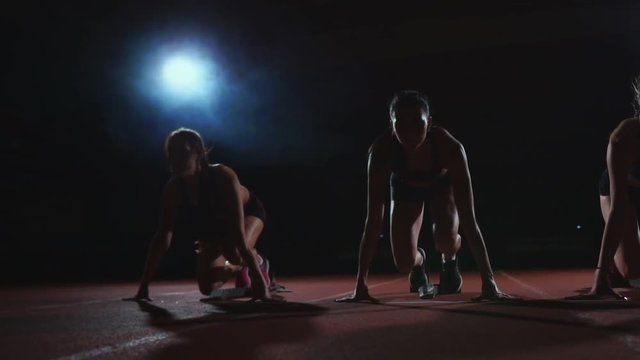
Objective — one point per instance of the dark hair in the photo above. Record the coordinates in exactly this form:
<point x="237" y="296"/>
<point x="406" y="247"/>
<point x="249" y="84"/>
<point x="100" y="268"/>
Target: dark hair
<point x="410" y="98"/>
<point x="185" y="136"/>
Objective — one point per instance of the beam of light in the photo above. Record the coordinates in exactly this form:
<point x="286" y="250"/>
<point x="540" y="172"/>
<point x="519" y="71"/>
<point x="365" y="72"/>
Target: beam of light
<point x="191" y="77"/>
<point x="185" y="76"/>
<point x="181" y="80"/>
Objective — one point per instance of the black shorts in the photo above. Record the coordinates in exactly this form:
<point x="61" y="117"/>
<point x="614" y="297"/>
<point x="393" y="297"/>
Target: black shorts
<point x="210" y="240"/>
<point x="605" y="190"/>
<point x="254" y="207"/>
<point x="401" y="191"/>
<point x="634" y="192"/>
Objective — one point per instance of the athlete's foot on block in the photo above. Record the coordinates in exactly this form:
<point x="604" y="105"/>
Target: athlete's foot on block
<point x="265" y="268"/>
<point x="617" y="280"/>
<point x="274" y="286"/>
<point x="274" y="299"/>
<point x="418" y="275"/>
<point x="634" y="283"/>
<point x="427" y="291"/>
<point x="450" y="278"/>
<point x="243" y="280"/>
<point x="419" y="280"/>
<point x="229" y="293"/>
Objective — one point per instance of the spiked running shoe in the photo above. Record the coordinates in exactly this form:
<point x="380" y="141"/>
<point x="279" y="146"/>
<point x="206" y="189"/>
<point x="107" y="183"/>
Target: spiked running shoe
<point x="450" y="278"/>
<point x="243" y="280"/>
<point x="419" y="281"/>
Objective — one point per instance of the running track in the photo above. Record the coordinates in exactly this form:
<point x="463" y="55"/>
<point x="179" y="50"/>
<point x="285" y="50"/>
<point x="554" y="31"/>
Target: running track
<point x="90" y="321"/>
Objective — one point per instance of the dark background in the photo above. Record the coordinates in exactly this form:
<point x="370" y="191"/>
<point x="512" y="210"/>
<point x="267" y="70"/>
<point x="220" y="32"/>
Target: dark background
<point x="531" y="89"/>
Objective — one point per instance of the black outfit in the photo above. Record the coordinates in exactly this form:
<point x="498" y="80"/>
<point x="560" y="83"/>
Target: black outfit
<point x="401" y="176"/>
<point x="634" y="192"/>
<point x="205" y="218"/>
<point x="603" y="185"/>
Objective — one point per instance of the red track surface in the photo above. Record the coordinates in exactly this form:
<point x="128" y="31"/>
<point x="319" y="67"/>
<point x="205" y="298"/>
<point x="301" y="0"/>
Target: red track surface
<point x="90" y="321"/>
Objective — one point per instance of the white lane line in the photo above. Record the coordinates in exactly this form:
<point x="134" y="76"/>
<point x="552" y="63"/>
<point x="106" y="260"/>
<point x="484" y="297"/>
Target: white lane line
<point x="113" y="348"/>
<point x="533" y="289"/>
<point x="143" y="341"/>
<point x="351" y="291"/>
<point x="99" y="301"/>
<point x="631" y="341"/>
<point x="165" y="335"/>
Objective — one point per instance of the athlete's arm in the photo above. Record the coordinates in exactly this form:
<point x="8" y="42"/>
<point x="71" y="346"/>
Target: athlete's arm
<point x="463" y="192"/>
<point x="378" y="170"/>
<point x="162" y="238"/>
<point x="621" y="155"/>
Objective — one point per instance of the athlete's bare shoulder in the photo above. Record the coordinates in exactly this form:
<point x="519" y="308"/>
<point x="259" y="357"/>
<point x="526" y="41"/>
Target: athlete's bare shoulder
<point x="380" y="150"/>
<point x="445" y="140"/>
<point x="443" y="134"/>
<point x="382" y="144"/>
<point x="220" y="169"/>
<point x="216" y="166"/>
<point x="223" y="171"/>
<point x="627" y="131"/>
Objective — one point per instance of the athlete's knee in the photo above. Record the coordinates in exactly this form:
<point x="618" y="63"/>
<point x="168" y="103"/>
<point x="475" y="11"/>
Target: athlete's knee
<point x="207" y="287"/>
<point x="445" y="233"/>
<point x="447" y="241"/>
<point x="212" y="279"/>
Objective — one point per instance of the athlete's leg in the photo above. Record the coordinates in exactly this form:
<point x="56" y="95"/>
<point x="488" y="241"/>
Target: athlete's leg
<point x="406" y="222"/>
<point x="447" y="239"/>
<point x="210" y="272"/>
<point x="445" y="223"/>
<point x="627" y="257"/>
<point x="254" y="219"/>
<point x="253" y="228"/>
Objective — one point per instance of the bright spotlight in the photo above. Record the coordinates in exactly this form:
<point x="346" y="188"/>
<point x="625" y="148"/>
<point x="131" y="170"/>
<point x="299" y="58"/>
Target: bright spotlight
<point x="184" y="76"/>
<point x="181" y="78"/>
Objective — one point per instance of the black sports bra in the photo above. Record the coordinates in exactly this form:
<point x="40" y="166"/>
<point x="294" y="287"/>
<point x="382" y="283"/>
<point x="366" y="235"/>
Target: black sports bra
<point x="399" y="163"/>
